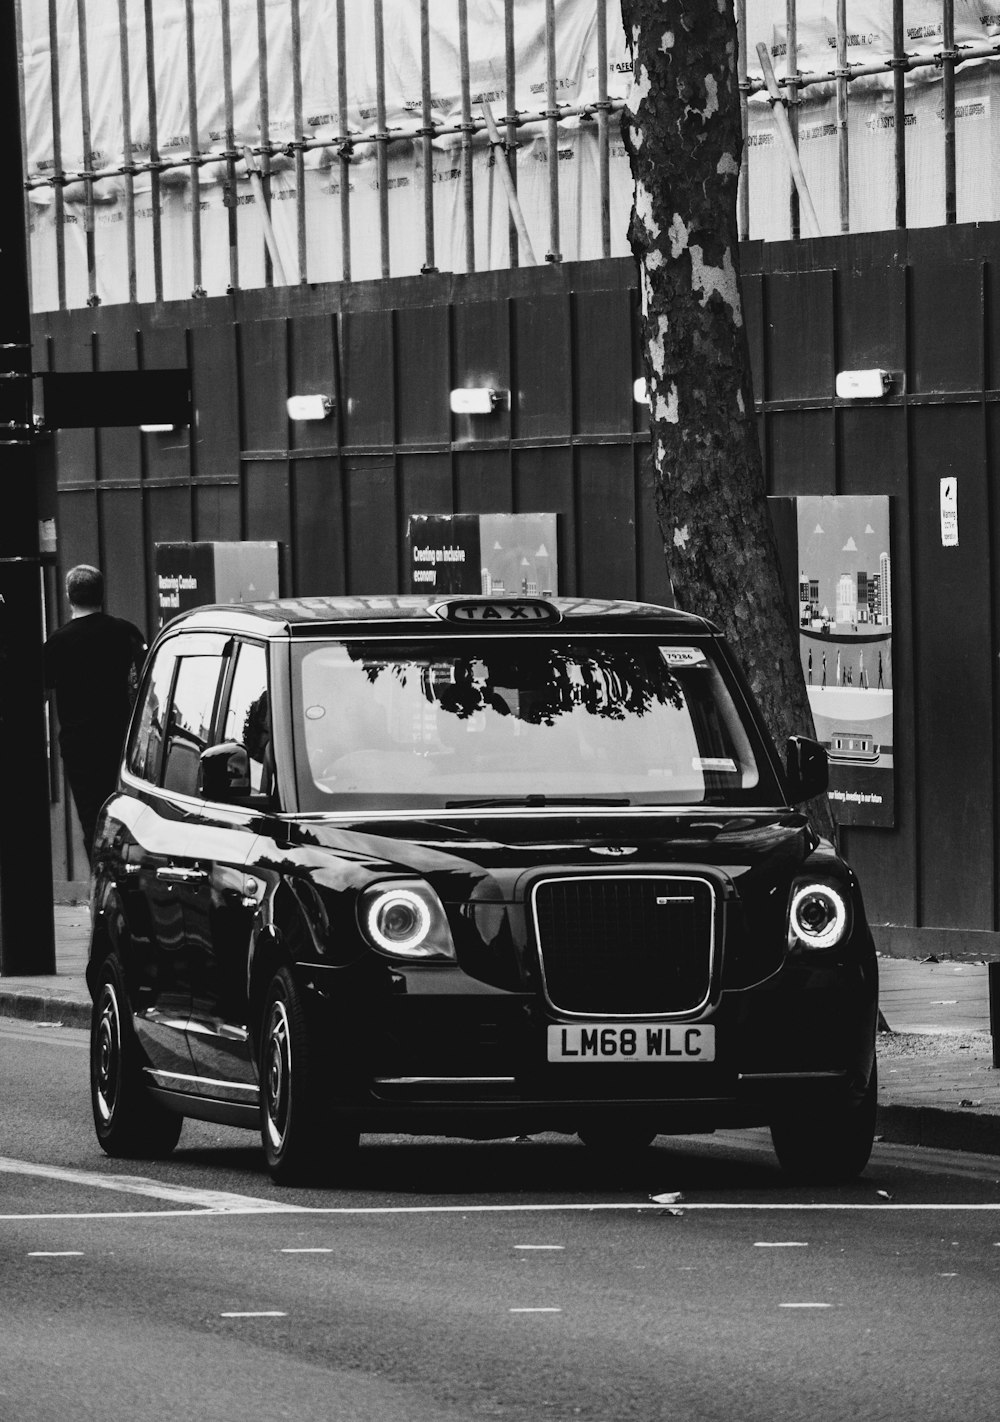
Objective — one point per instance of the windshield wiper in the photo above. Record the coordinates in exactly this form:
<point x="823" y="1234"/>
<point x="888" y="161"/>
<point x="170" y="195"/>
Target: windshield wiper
<point x="530" y="801"/>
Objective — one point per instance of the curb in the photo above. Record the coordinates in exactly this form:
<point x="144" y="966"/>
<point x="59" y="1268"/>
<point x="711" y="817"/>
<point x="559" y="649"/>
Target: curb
<point x="939" y="1129"/>
<point x="41" y="1007"/>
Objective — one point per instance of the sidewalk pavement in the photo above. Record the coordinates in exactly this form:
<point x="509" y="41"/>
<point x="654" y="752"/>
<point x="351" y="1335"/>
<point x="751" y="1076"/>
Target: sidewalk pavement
<point x="937" y="1083"/>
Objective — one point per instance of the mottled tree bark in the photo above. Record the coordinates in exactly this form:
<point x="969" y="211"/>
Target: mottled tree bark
<point x="682" y="132"/>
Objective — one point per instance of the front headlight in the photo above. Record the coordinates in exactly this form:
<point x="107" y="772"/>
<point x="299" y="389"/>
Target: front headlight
<point x="818" y="916"/>
<point x="406" y="921"/>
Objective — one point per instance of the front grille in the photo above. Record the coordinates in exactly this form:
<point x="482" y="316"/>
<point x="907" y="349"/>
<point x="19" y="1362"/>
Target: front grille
<point x="625" y="944"/>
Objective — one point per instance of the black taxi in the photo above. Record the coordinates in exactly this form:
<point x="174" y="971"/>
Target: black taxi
<point x="472" y="867"/>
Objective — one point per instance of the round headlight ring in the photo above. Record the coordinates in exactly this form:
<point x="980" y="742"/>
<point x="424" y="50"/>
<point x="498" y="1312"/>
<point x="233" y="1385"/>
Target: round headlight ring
<point x="399" y="920"/>
<point x="818" y="915"/>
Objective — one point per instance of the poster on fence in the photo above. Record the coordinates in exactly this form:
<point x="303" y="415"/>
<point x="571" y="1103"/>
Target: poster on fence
<point x="499" y="554"/>
<point x="844" y="605"/>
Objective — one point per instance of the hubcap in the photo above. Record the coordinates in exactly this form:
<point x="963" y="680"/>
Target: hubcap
<point x="107" y="1055"/>
<point x="278" y="1075"/>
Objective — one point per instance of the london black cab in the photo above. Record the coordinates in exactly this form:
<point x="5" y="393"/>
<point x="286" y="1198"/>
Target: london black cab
<point x="474" y="867"/>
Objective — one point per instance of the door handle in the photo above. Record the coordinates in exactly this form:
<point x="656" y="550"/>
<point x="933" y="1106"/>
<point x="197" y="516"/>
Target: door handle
<point x="174" y="874"/>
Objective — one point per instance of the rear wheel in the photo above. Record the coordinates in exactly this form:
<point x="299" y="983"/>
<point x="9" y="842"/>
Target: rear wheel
<point x="828" y="1146"/>
<point x="127" y="1119"/>
<point x="302" y="1141"/>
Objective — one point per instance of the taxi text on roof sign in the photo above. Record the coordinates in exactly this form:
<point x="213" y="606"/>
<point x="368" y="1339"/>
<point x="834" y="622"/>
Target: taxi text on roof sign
<point x="523" y="609"/>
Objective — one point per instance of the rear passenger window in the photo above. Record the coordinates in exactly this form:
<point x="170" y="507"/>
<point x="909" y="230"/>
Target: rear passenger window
<point x="147" y="738"/>
<point x="248" y="715"/>
<point x="190" y="724"/>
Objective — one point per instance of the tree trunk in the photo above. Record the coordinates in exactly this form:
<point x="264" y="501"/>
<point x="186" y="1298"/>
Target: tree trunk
<point x="681" y="128"/>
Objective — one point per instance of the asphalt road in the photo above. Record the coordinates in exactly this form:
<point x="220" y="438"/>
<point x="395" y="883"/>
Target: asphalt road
<point x="514" y="1280"/>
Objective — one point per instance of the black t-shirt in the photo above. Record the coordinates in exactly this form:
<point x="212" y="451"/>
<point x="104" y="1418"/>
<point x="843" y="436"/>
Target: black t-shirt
<point x="92" y="663"/>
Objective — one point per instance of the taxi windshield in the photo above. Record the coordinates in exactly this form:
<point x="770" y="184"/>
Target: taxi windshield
<point x="465" y="722"/>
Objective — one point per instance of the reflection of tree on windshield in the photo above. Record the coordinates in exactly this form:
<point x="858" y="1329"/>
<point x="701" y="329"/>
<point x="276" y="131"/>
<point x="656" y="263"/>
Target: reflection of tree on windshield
<point x="535" y="684"/>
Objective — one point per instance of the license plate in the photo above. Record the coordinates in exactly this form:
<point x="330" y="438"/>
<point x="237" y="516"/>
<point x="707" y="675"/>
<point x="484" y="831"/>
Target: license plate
<point x="597" y="1042"/>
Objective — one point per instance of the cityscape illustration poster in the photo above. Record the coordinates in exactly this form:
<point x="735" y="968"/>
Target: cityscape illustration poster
<point x="483" y="553"/>
<point x="845" y="638"/>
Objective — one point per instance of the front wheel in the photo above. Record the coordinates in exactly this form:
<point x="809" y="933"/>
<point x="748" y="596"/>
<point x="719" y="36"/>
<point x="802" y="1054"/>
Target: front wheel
<point x="127" y="1120"/>
<point x="828" y="1146"/>
<point x="302" y="1140"/>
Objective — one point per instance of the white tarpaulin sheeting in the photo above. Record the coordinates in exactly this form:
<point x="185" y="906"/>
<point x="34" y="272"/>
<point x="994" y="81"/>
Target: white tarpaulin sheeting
<point x="576" y="83"/>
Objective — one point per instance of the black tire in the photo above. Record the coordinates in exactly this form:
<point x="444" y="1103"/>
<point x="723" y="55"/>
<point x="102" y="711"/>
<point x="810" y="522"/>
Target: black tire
<point x="828" y="1147"/>
<point x="127" y="1120"/>
<point x="304" y="1142"/>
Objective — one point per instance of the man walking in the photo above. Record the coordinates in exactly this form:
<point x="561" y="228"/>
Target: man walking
<point x="92" y="663"/>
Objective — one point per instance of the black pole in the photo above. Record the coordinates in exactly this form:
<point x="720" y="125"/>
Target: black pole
<point x="27" y="939"/>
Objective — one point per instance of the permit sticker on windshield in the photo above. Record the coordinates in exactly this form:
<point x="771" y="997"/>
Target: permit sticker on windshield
<point x="683" y="656"/>
<point x="713" y="762"/>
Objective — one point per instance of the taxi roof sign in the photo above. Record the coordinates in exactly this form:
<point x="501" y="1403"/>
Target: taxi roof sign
<point x="494" y="610"/>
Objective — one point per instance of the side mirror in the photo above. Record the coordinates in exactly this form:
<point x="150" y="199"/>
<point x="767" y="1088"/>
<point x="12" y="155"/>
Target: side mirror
<point x="224" y="772"/>
<point x="807" y="770"/>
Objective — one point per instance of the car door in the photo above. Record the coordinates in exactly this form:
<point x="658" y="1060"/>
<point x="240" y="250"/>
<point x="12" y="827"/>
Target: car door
<point x="221" y="906"/>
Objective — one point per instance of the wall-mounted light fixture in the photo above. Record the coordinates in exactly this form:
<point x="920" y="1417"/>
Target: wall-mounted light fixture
<point x="479" y="401"/>
<point x="310" y="407"/>
<point x="639" y="392"/>
<point x="863" y="384"/>
<point x="157" y="429"/>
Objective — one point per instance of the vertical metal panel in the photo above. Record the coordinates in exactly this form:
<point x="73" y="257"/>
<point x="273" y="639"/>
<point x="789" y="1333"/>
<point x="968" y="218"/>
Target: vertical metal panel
<point x="344" y="151"/>
<point x="552" y="131"/>
<point x="297" y="140"/>
<point x="88" y="152"/>
<point x="55" y="90"/>
<point x="215" y="391"/>
<point x="425" y="485"/>
<point x="426" y="136"/>
<point x="899" y="109"/>
<point x="423" y="378"/>
<point x="115" y="347"/>
<point x="510" y="119"/>
<point x="194" y="171"/>
<point x="792" y="97"/>
<point x="753" y="317"/>
<point x="483" y="481"/>
<point x="165" y="456"/>
<point x="267" y="508"/>
<point x="381" y="138"/>
<point x="801" y="452"/>
<point x="73" y="351"/>
<point x="468" y="188"/>
<point x="216" y="512"/>
<point x="800" y="354"/>
<point x="126" y="87"/>
<point x="122" y="525"/>
<point x="543" y="363"/>
<point x="312" y="371"/>
<point x="602" y="321"/>
<point x="871" y="318"/>
<point x="229" y="187"/>
<point x="843" y="76"/>
<point x="368" y="378"/>
<point x="946" y="306"/>
<point x="317" y="530"/>
<point x="948" y="56"/>
<point x="607" y="543"/>
<point x="263" y="363"/>
<point x="545" y="481"/>
<point x="373" y="522"/>
<point x="481" y="358"/>
<point x="154" y="148"/>
<point x="953" y="673"/>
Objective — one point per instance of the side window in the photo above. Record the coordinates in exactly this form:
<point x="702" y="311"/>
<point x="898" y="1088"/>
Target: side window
<point x="248" y="715"/>
<point x="143" y="758"/>
<point x="190" y="723"/>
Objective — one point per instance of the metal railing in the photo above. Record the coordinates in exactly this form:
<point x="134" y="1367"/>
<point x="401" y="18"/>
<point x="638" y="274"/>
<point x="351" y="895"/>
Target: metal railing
<point x="339" y="144"/>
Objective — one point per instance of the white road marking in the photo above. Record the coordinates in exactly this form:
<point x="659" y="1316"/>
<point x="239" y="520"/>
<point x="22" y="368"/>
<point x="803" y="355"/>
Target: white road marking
<point x="539" y="1246"/>
<point x="307" y="1251"/>
<point x="55" y="1254"/>
<point x="805" y="1305"/>
<point x="781" y="1244"/>
<point x="260" y="1313"/>
<point x="534" y="1310"/>
<point x="217" y="1201"/>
